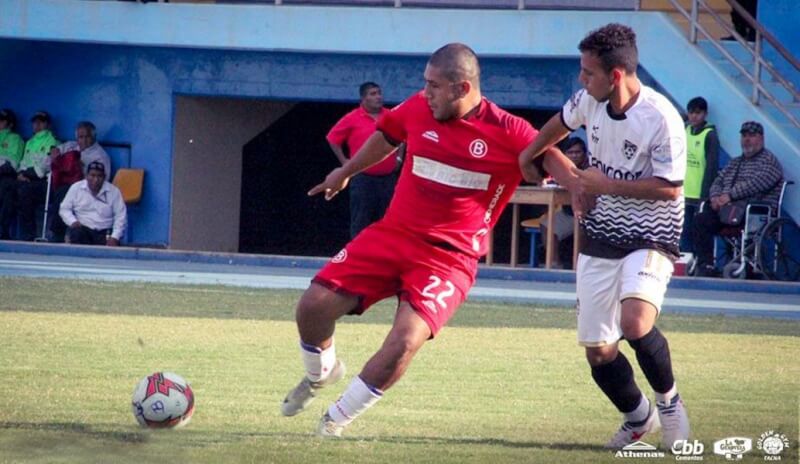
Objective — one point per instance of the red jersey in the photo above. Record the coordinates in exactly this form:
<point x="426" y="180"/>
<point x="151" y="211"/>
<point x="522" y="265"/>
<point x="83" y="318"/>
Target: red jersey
<point x="353" y="130"/>
<point x="458" y="175"/>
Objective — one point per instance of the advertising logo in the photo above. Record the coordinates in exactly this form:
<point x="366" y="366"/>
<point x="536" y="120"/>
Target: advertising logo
<point x="772" y="444"/>
<point x="685" y="450"/>
<point x="733" y="448"/>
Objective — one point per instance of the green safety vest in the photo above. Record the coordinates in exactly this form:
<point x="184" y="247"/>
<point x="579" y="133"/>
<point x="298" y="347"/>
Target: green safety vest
<point x="695" y="162"/>
<point x="36" y="151"/>
<point x="11" y="147"/>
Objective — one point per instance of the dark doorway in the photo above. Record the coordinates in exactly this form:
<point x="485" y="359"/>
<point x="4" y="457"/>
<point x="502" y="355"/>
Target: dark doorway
<point x="282" y="163"/>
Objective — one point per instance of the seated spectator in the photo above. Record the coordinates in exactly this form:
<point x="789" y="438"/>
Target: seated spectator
<point x="11" y="150"/>
<point x="756" y="177"/>
<point x="563" y="219"/>
<point x="702" y="165"/>
<point x="69" y="162"/>
<point x="31" y="185"/>
<point x="94" y="210"/>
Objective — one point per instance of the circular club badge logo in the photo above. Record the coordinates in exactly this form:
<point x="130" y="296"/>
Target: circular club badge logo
<point x="340" y="257"/>
<point x="478" y="148"/>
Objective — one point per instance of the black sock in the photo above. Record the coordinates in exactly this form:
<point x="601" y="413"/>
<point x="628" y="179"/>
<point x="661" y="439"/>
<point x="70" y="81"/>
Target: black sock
<point x="652" y="352"/>
<point x="616" y="381"/>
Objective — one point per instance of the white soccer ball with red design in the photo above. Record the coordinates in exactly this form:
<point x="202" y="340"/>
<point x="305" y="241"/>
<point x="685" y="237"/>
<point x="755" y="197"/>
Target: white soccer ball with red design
<point x="163" y="400"/>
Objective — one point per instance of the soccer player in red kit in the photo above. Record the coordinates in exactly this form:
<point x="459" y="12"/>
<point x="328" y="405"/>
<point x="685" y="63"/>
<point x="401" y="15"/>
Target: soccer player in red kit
<point x="461" y="169"/>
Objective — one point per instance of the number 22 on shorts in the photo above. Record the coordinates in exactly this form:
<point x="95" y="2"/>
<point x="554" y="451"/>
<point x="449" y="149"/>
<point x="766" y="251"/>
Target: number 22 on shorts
<point x="438" y="290"/>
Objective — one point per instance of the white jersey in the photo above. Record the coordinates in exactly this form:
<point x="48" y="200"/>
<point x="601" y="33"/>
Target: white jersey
<point x="648" y="140"/>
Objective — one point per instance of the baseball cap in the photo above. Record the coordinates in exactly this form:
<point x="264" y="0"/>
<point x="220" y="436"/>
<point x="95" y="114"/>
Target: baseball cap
<point x="97" y="166"/>
<point x="41" y="116"/>
<point x="752" y="127"/>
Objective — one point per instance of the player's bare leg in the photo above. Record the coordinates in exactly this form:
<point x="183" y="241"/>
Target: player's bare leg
<point x="317" y="312"/>
<point x="409" y="332"/>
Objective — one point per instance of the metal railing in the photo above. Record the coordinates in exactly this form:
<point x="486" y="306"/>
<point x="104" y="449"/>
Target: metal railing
<point x="755" y="50"/>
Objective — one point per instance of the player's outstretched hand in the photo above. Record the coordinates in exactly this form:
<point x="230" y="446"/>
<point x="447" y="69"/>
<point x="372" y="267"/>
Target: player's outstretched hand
<point x="334" y="183"/>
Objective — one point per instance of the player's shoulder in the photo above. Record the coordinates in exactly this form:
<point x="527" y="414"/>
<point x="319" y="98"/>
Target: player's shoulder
<point x="655" y="105"/>
<point x="493" y="114"/>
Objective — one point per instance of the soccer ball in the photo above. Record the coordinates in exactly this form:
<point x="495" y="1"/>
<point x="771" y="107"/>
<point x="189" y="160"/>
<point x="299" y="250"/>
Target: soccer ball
<point x="163" y="400"/>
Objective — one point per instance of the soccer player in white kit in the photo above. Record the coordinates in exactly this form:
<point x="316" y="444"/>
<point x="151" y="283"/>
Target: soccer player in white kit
<point x="630" y="204"/>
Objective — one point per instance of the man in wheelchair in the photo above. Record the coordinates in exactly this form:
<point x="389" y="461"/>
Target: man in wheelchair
<point x="754" y="181"/>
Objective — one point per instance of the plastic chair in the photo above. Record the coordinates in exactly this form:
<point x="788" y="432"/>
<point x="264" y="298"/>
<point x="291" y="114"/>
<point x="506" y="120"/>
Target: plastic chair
<point x="533" y="227"/>
<point x="130" y="182"/>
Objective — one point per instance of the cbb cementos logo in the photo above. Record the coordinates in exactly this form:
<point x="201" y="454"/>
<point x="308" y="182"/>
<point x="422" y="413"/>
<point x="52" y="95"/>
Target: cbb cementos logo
<point x="772" y="443"/>
<point x="686" y="450"/>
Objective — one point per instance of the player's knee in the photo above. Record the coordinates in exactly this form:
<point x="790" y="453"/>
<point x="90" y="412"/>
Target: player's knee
<point x="597" y="356"/>
<point x="634" y="328"/>
<point x="320" y="303"/>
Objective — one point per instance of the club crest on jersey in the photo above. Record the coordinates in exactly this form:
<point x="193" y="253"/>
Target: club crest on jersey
<point x="340" y="257"/>
<point x="478" y="148"/>
<point x="629" y="149"/>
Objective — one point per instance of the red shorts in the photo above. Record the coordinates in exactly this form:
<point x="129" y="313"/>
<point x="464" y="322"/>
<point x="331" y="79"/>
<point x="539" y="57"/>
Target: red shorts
<point x="383" y="261"/>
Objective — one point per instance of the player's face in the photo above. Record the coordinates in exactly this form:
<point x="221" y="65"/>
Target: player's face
<point x="752" y="143"/>
<point x="441" y="93"/>
<point x="696" y="117"/>
<point x="373" y="100"/>
<point x="84" y="138"/>
<point x="597" y="82"/>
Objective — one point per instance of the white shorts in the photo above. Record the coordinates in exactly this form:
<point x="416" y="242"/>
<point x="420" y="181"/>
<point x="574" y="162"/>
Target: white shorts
<point x="602" y="284"/>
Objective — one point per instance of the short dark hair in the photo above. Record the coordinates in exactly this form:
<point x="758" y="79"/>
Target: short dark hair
<point x="615" y="45"/>
<point x="366" y="87"/>
<point x="457" y="62"/>
<point x="697" y="104"/>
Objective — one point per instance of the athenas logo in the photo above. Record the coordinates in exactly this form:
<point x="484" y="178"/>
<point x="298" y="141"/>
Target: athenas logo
<point x="639" y="449"/>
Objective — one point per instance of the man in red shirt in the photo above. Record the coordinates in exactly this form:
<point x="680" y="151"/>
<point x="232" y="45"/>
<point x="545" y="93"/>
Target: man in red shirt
<point x="372" y="190"/>
<point x="460" y="171"/>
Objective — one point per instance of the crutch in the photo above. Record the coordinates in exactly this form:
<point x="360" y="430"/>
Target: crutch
<point x="43" y="238"/>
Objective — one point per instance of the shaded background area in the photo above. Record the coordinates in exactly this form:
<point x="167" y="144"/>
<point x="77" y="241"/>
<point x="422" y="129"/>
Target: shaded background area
<point x="288" y="158"/>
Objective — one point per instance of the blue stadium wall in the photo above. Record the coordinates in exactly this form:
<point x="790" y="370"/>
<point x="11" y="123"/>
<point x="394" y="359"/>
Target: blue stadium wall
<point x="129" y="93"/>
<point x="66" y="64"/>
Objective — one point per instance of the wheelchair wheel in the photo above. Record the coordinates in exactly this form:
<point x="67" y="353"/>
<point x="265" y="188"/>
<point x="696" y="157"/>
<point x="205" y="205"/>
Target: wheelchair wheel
<point x="776" y="258"/>
<point x="731" y="270"/>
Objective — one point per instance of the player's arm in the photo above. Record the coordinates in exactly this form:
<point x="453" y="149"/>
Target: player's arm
<point x="374" y="150"/>
<point x="592" y="181"/>
<point x="551" y="133"/>
<point x="338" y="151"/>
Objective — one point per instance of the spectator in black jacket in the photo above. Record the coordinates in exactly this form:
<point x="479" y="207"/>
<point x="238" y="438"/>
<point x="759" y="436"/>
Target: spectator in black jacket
<point x="756" y="176"/>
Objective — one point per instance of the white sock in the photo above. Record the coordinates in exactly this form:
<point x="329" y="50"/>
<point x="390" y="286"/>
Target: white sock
<point x="355" y="400"/>
<point x="667" y="397"/>
<point x="318" y="362"/>
<point x="640" y="413"/>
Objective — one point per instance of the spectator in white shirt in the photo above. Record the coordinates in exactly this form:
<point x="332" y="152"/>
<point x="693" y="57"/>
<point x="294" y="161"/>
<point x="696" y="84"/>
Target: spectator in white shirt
<point x="94" y="210"/>
<point x="86" y="144"/>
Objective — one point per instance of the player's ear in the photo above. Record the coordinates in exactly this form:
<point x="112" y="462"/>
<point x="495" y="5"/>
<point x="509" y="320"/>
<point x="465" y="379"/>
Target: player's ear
<point x="616" y="75"/>
<point x="463" y="88"/>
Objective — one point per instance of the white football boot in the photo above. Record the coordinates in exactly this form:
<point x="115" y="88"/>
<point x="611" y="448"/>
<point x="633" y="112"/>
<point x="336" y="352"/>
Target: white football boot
<point x="631" y="432"/>
<point x="304" y="393"/>
<point x="674" y="421"/>
<point x="328" y="428"/>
